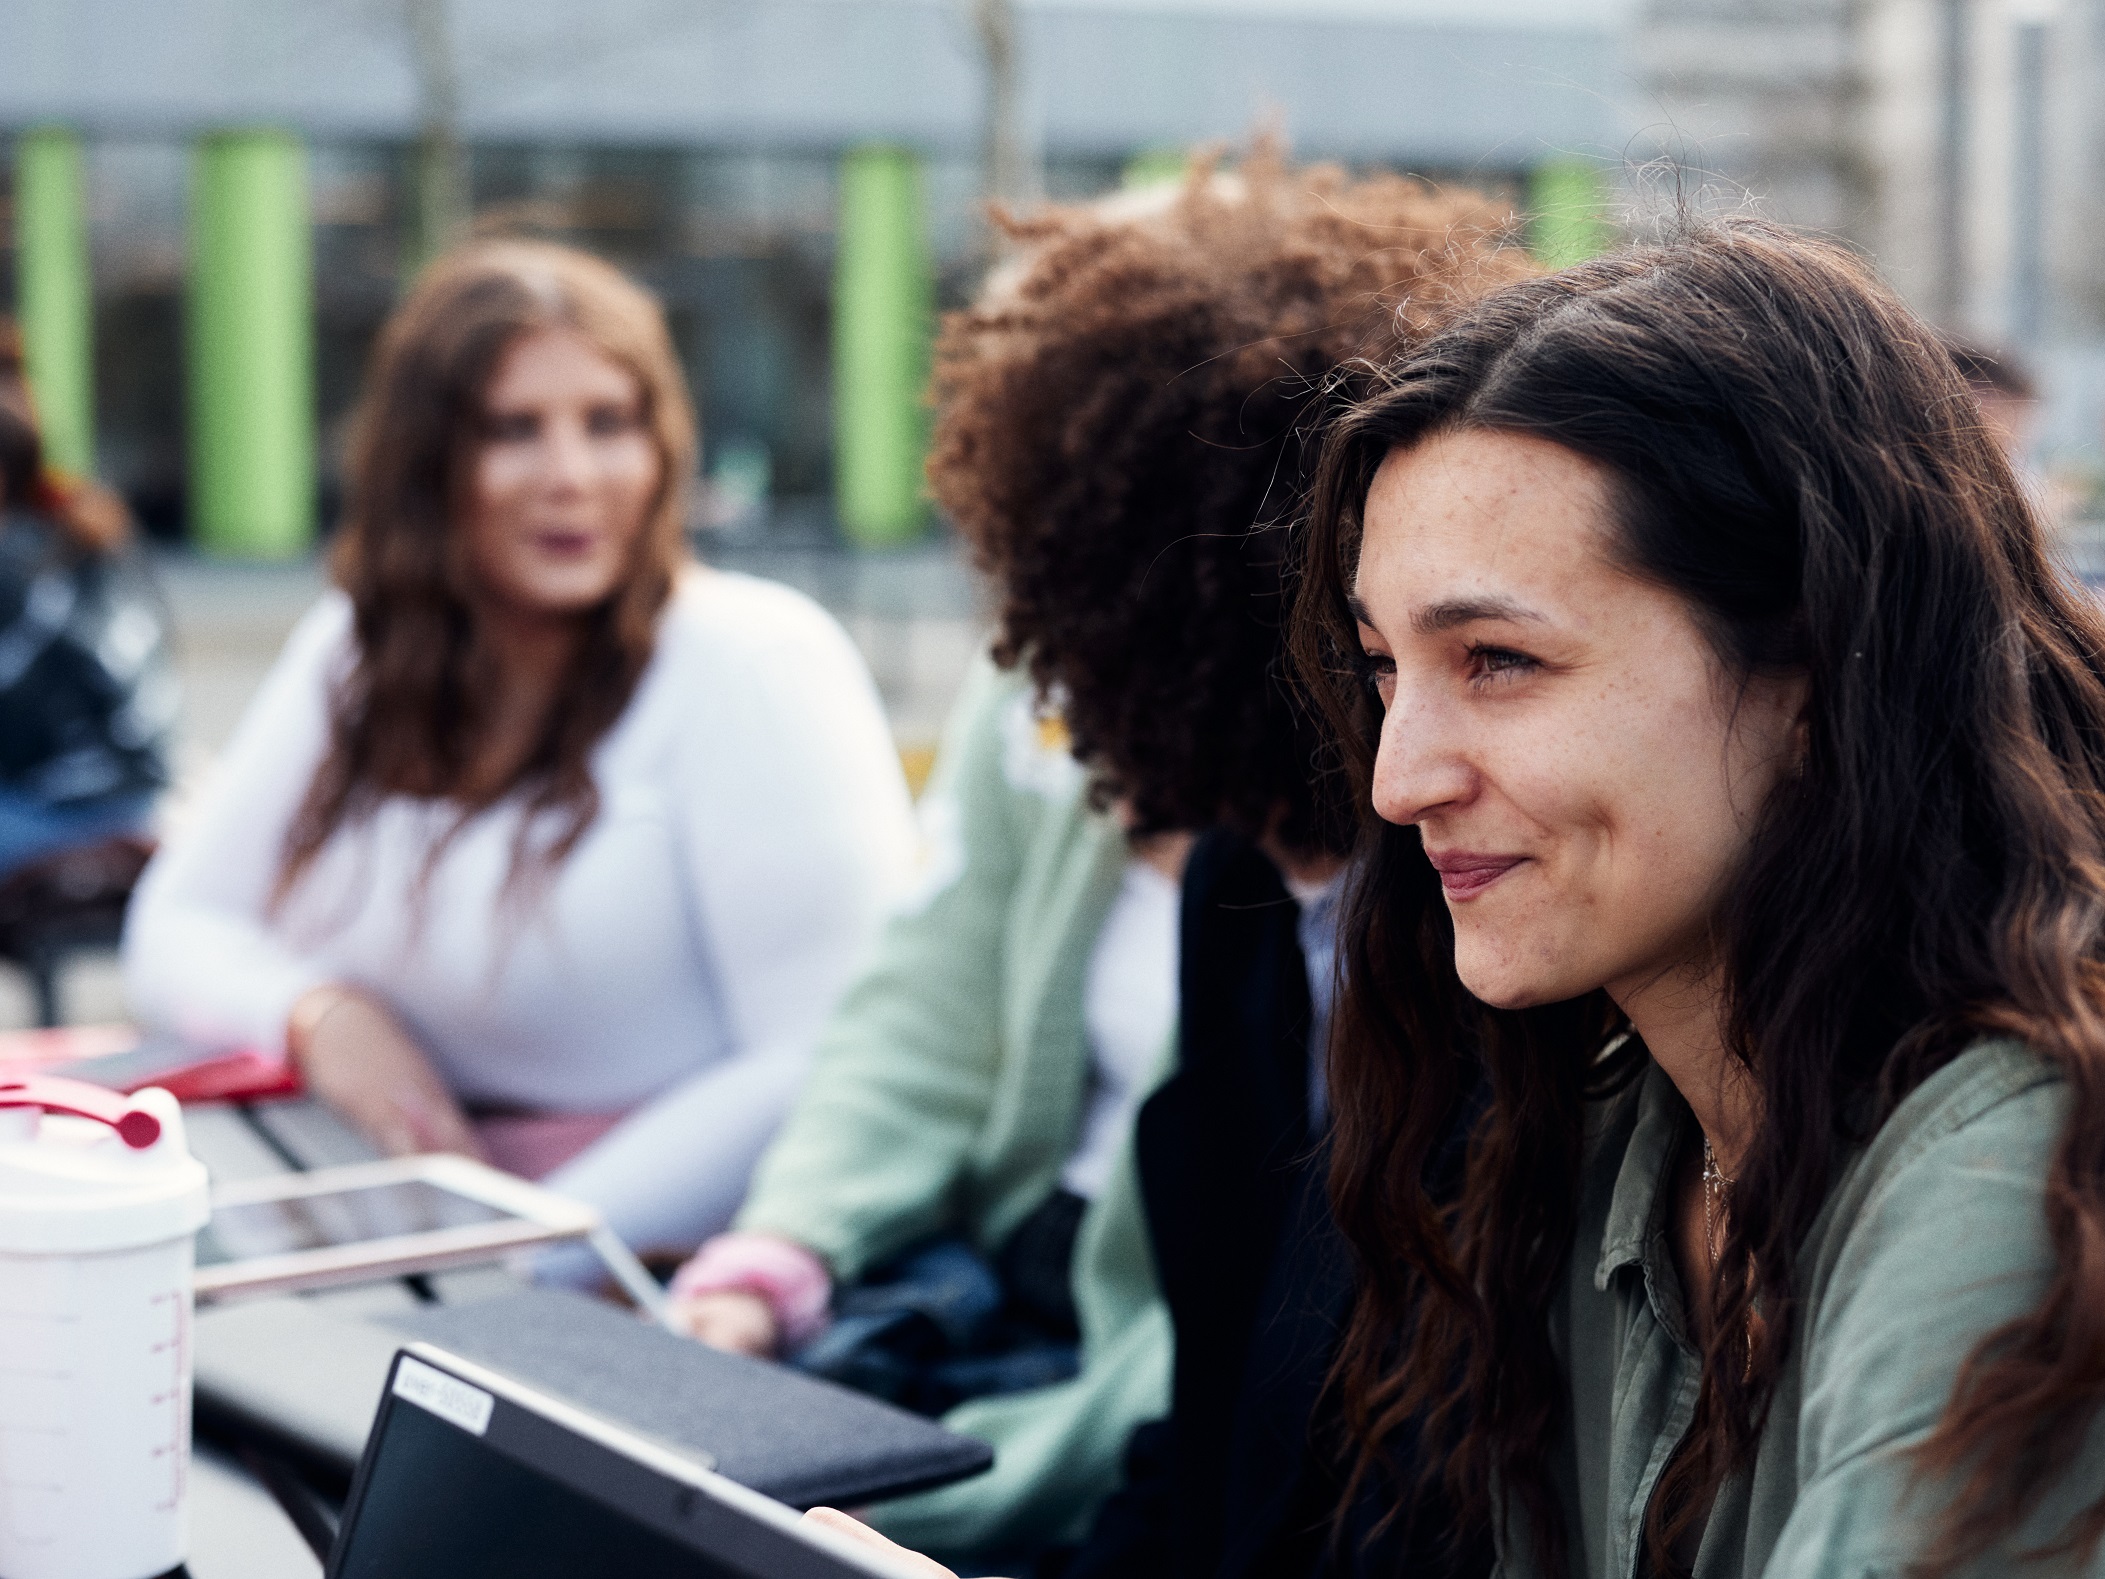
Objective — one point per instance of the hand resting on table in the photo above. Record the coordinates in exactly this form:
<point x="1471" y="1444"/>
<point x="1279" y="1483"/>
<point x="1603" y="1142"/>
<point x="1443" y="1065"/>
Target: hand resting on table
<point x="732" y="1320"/>
<point x="355" y="1055"/>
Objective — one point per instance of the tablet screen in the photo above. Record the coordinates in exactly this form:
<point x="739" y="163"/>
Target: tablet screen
<point x="246" y="1230"/>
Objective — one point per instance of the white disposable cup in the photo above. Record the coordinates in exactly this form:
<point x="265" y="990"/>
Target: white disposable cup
<point x="96" y="1247"/>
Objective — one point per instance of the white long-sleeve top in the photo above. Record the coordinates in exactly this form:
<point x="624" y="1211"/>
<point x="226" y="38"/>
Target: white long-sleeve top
<point x="753" y="829"/>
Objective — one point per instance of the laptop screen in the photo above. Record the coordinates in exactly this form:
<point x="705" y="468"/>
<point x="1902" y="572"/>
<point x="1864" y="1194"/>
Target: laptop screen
<point x="444" y="1504"/>
<point x="461" y="1481"/>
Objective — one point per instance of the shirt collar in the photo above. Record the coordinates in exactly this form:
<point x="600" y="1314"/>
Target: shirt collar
<point x="1321" y="893"/>
<point x="1641" y="1175"/>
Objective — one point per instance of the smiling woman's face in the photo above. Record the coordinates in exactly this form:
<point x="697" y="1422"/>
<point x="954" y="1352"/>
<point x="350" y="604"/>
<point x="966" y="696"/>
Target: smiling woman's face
<point x="564" y="479"/>
<point x="1583" y="774"/>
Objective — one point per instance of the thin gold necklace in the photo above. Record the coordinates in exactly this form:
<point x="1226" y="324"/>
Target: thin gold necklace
<point x="1715" y="1186"/>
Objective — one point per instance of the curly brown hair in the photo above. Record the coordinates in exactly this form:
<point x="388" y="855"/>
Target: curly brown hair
<point x="1118" y="436"/>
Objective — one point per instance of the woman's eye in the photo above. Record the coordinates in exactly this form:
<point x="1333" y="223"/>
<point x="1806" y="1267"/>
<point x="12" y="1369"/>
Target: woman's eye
<point x="1378" y="671"/>
<point x="607" y="421"/>
<point x="1495" y="663"/>
<point x="511" y="427"/>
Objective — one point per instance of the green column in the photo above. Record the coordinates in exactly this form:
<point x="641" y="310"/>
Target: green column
<point x="1154" y="167"/>
<point x="883" y="308"/>
<point x="56" y="294"/>
<point x="1568" y="212"/>
<point x="250" y="343"/>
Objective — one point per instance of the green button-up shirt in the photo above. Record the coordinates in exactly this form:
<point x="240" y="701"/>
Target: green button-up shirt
<point x="1934" y="1236"/>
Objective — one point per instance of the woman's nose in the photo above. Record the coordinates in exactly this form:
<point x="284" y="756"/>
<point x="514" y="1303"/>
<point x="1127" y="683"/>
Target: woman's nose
<point x="1419" y="765"/>
<point x="567" y="459"/>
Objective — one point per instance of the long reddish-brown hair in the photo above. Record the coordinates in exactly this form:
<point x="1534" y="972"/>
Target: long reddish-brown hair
<point x="407" y="718"/>
<point x="93" y="518"/>
<point x="1796" y="455"/>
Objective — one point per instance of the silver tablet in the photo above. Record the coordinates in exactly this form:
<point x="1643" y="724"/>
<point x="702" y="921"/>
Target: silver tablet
<point x="386" y="1219"/>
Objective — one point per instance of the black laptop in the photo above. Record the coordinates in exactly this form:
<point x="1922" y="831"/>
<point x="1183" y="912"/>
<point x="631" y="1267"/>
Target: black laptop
<point x="468" y="1474"/>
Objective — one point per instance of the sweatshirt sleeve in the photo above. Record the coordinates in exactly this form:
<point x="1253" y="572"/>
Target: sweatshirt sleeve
<point x="202" y="959"/>
<point x="797" y="833"/>
<point x="870" y="1156"/>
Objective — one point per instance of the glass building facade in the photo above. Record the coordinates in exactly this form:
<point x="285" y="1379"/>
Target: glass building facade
<point x="797" y="180"/>
<point x="739" y="245"/>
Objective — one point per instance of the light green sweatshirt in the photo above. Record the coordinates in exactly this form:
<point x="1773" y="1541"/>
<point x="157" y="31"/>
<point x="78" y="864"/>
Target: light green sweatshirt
<point x="948" y="1092"/>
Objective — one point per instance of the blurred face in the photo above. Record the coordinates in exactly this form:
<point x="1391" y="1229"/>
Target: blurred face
<point x="2012" y="420"/>
<point x="1584" y="777"/>
<point x="566" y="473"/>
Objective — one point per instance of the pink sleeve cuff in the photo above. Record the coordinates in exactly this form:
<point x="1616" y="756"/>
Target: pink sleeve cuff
<point x="793" y="1281"/>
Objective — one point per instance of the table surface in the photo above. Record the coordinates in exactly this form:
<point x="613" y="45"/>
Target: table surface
<point x="237" y="1529"/>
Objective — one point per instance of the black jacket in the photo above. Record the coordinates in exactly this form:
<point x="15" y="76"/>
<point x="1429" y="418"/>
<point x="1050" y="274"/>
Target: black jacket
<point x="87" y="693"/>
<point x="1243" y="1479"/>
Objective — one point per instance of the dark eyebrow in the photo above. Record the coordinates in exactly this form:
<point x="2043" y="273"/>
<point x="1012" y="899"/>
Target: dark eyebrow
<point x="1446" y="616"/>
<point x="1438" y="617"/>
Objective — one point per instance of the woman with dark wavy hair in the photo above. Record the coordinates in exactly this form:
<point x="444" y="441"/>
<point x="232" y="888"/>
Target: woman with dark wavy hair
<point x="1737" y="755"/>
<point x="541" y="840"/>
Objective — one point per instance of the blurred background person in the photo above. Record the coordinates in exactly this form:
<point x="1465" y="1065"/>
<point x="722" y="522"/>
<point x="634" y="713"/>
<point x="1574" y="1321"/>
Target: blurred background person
<point x="540" y="842"/>
<point x="2007" y="394"/>
<point x="87" y="698"/>
<point x="958" y="1183"/>
<point x="2003" y="386"/>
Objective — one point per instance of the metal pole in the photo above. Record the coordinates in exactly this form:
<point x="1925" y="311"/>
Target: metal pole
<point x="1951" y="161"/>
<point x="1005" y="171"/>
<point x="250" y="344"/>
<point x="2028" y="273"/>
<point x="439" y="174"/>
<point x="56" y="294"/>
<point x="883" y="307"/>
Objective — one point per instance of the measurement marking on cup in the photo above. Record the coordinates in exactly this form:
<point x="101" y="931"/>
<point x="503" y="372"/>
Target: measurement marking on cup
<point x="174" y="1449"/>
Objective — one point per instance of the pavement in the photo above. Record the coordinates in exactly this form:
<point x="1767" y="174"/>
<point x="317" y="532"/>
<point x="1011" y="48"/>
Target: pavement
<point x="915" y="613"/>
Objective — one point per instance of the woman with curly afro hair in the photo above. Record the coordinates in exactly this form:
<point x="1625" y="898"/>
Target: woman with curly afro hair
<point x="1118" y="420"/>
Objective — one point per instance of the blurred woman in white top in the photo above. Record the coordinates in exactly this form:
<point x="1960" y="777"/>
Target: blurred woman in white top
<point x="541" y="842"/>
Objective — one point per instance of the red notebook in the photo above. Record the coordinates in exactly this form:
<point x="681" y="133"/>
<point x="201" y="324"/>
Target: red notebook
<point x="125" y="1059"/>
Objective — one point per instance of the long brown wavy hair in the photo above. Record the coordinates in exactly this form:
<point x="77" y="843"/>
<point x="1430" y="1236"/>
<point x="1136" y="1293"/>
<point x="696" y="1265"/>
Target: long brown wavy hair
<point x="1796" y="455"/>
<point x="409" y="715"/>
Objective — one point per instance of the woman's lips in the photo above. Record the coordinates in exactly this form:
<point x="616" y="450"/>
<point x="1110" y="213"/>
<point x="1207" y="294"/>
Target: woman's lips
<point x="1464" y="876"/>
<point x="564" y="545"/>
